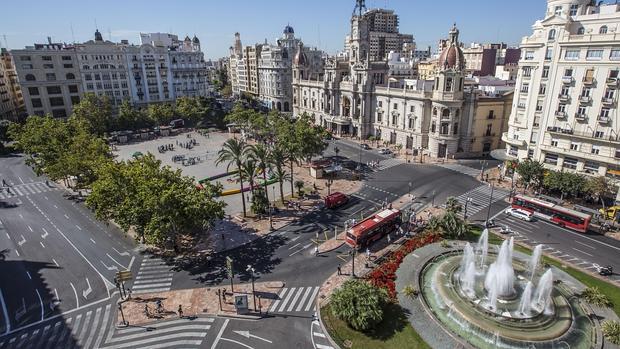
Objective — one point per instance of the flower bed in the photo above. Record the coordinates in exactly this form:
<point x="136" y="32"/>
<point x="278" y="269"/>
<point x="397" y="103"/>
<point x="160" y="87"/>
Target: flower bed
<point x="385" y="274"/>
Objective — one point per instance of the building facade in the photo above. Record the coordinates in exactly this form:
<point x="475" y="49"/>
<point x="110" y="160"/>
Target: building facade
<point x="11" y="99"/>
<point x="441" y="116"/>
<point x="162" y="68"/>
<point x="565" y="111"/>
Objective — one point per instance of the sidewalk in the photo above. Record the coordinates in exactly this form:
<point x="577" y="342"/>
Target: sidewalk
<point x="198" y="302"/>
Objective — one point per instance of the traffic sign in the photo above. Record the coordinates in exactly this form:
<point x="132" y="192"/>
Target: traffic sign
<point x="229" y="266"/>
<point x="124" y="275"/>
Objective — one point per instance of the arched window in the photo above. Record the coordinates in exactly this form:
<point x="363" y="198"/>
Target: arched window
<point x="445" y="113"/>
<point x="581" y="31"/>
<point x="449" y="84"/>
<point x="30" y="77"/>
<point x="70" y="76"/>
<point x="603" y="30"/>
<point x="85" y="67"/>
<point x="457" y="113"/>
<point x="551" y="34"/>
<point x="279" y="106"/>
<point x="286" y="107"/>
<point x="435" y="112"/>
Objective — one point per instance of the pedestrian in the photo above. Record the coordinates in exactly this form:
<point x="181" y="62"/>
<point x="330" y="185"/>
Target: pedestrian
<point x="339" y="270"/>
<point x="159" y="306"/>
<point x="4" y="183"/>
<point x="224" y="294"/>
<point x="180" y="311"/>
<point x="316" y="250"/>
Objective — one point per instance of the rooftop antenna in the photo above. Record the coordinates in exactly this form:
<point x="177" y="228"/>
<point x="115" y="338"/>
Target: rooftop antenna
<point x="319" y="31"/>
<point x="72" y="33"/>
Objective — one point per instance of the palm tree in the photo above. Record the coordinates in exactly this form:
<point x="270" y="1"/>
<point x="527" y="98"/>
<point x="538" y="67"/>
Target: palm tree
<point x="453" y="205"/>
<point x="249" y="171"/>
<point x="233" y="153"/>
<point x="453" y="226"/>
<point x="262" y="155"/>
<point x="278" y="158"/>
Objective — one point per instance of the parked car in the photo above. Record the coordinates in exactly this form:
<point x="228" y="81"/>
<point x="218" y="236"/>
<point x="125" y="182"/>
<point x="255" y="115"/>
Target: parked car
<point x="385" y="151"/>
<point x="520" y="214"/>
<point x="505" y="230"/>
<point x="365" y="146"/>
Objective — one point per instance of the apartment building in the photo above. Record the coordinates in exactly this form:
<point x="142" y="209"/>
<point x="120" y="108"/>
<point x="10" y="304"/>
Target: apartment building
<point x="11" y="99"/>
<point x="565" y="112"/>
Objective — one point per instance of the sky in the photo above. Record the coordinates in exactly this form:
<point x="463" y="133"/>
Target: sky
<point x="319" y="23"/>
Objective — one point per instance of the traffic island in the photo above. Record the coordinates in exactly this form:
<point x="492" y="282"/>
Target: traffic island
<point x="200" y="302"/>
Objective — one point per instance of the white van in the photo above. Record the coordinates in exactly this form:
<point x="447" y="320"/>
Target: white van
<point x="520" y="214"/>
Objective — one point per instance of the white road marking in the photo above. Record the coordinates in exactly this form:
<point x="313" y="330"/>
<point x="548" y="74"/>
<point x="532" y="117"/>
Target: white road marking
<point x="56" y="263"/>
<point x="583" y="252"/>
<point x="114" y="267"/>
<point x="44" y="235"/>
<point x="28" y="273"/>
<point x="41" y="302"/>
<point x="91" y="239"/>
<point x="55" y="206"/>
<point x="7" y="321"/>
<point x="131" y="262"/>
<point x="318" y="334"/>
<point x="114" y="260"/>
<point x="17" y="253"/>
<point x="292" y="247"/>
<point x="295" y="238"/>
<point x="77" y="226"/>
<point x="86" y="292"/>
<point x="41" y="242"/>
<point x="126" y="254"/>
<point x="67" y="217"/>
<point x="20" y="179"/>
<point x="285" y="301"/>
<point x="30" y="228"/>
<point x="8" y="236"/>
<point x="219" y="335"/>
<point x="586" y="245"/>
<point x="303" y="299"/>
<point x="311" y="300"/>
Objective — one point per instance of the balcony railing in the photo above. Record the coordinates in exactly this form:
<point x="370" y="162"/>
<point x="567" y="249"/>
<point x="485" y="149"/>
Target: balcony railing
<point x="563" y="97"/>
<point x="567" y="80"/>
<point x="612" y="81"/>
<point x="585" y="99"/>
<point x="588" y="81"/>
<point x="581" y="117"/>
<point x="603" y="119"/>
<point x="607" y="101"/>
<point x="589" y="135"/>
<point x="560" y="114"/>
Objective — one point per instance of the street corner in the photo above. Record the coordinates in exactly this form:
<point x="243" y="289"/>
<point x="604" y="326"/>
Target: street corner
<point x="244" y="300"/>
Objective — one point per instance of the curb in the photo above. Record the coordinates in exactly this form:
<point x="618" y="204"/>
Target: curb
<point x="323" y="329"/>
<point x="333" y="249"/>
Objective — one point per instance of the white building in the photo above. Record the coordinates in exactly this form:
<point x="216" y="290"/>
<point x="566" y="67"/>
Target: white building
<point x="565" y="110"/>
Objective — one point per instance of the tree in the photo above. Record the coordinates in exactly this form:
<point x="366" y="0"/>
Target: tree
<point x="565" y="183"/>
<point x="97" y="111"/>
<point x="278" y="158"/>
<point x="310" y="139"/>
<point x="287" y="141"/>
<point x="611" y="331"/>
<point x="249" y="170"/>
<point x="157" y="202"/>
<point x="130" y="118"/>
<point x="261" y="154"/>
<point x="452" y="226"/>
<point x="239" y="116"/>
<point x="299" y="185"/>
<point x="192" y="108"/>
<point x="233" y="153"/>
<point x="453" y="205"/>
<point x="433" y="224"/>
<point x="161" y="114"/>
<point x="530" y="173"/>
<point x="260" y="203"/>
<point x="599" y="188"/>
<point x="4" y="129"/>
<point x="359" y="304"/>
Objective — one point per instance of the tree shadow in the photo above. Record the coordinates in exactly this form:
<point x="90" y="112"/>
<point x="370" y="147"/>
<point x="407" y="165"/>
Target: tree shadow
<point x="394" y="321"/>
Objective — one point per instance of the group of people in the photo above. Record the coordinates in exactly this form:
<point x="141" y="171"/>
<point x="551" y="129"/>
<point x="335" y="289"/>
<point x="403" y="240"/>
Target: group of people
<point x="166" y="147"/>
<point x="373" y="164"/>
<point x="187" y="145"/>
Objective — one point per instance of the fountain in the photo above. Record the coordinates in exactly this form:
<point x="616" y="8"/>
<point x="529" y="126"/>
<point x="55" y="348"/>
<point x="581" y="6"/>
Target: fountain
<point x="533" y="263"/>
<point x="543" y="292"/>
<point x="500" y="276"/>
<point x="483" y="246"/>
<point x="497" y="298"/>
<point x="525" y="305"/>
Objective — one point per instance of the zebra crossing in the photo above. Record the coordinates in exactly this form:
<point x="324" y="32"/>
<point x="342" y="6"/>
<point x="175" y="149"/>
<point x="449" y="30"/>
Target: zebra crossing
<point x="389" y="163"/>
<point x="470" y="171"/>
<point x="319" y="340"/>
<point x="25" y="190"/>
<point x="154" y="276"/>
<point x="480" y="198"/>
<point x="294" y="300"/>
<point x="96" y="328"/>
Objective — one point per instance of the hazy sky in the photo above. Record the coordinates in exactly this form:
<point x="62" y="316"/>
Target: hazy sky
<point x="320" y="23"/>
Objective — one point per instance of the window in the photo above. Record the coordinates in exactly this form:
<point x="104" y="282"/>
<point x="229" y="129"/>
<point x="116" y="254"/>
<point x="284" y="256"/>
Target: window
<point x="568" y="73"/>
<point x="599" y="134"/>
<point x="554" y="142"/>
<point x="551" y="159"/>
<point x="67" y="66"/>
<point x="70" y="76"/>
<point x="30" y="77"/>
<point x="50" y="77"/>
<point x="573" y="10"/>
<point x="609" y="93"/>
<point x="551" y="35"/>
<point x="25" y="58"/>
<point x="549" y="53"/>
<point x="529" y="55"/>
<point x="90" y="86"/>
<point x="558" y="11"/>
<point x="46" y="58"/>
<point x="27" y="66"/>
<point x="33" y="91"/>
<point x="614" y="55"/>
<point x="539" y="105"/>
<point x="581" y="111"/>
<point x="617" y="154"/>
<point x="586" y="92"/>
<point x="395" y="106"/>
<point x="48" y="66"/>
<point x="570" y="163"/>
<point x="412" y="109"/>
<point x="36" y="102"/>
<point x="56" y="101"/>
<point x="591" y="166"/>
<point x="604" y="113"/>
<point x="433" y="127"/>
<point x="66" y="58"/>
<point x="594" y="54"/>
<point x="525" y="88"/>
<point x="380" y="104"/>
<point x="489" y="129"/>
<point x="561" y="108"/>
<point x="595" y="150"/>
<point x="59" y="113"/>
<point x="54" y="90"/>
<point x="456" y="128"/>
<point x="574" y="146"/>
<point x="543" y="89"/>
<point x="73" y="89"/>
<point x="581" y="31"/>
<point x="88" y="77"/>
<point x="603" y="30"/>
<point x="527" y="72"/>
<point x="571" y="55"/>
<point x="565" y="91"/>
<point x="449" y="84"/>
<point x="530" y="153"/>
<point x="491" y="114"/>
<point x="545" y="72"/>
<point x="411" y="120"/>
<point x="613" y="74"/>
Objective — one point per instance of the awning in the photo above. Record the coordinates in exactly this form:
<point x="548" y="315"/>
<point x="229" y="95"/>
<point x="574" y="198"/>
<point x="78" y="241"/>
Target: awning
<point x="501" y="154"/>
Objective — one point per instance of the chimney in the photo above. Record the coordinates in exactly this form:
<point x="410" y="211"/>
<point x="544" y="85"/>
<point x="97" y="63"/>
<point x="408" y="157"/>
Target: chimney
<point x="49" y="40"/>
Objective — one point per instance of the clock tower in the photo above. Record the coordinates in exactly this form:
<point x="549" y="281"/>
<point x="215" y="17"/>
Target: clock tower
<point x="359" y="44"/>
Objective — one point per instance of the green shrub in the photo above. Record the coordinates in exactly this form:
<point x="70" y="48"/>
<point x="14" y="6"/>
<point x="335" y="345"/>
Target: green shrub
<point x="359" y="304"/>
<point x="594" y="296"/>
<point x="611" y="331"/>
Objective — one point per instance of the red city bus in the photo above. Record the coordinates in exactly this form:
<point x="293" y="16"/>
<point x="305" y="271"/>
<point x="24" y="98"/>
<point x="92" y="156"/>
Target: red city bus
<point x="335" y="200"/>
<point x="373" y="228"/>
<point x="553" y="213"/>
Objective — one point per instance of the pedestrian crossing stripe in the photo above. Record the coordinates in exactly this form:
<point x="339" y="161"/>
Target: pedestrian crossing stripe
<point x="154" y="276"/>
<point x="389" y="163"/>
<point x="295" y="299"/>
<point x="480" y="199"/>
<point x="470" y="171"/>
<point x="25" y="189"/>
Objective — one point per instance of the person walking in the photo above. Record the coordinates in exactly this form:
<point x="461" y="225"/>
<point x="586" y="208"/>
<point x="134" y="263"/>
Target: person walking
<point x="339" y="270"/>
<point x="180" y="311"/>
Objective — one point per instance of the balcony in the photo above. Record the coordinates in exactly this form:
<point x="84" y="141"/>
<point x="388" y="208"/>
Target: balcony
<point x="567" y="80"/>
<point x="508" y="140"/>
<point x="603" y="119"/>
<point x="589" y="81"/>
<point x="585" y="99"/>
<point x="612" y="82"/>
<point x="563" y="97"/>
<point x="581" y="117"/>
<point x="521" y="106"/>
<point x="590" y="136"/>
<point x="560" y="114"/>
<point x="608" y="102"/>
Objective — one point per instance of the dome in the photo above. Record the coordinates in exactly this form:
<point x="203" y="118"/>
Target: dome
<point x="300" y="56"/>
<point x="187" y="38"/>
<point x="452" y="56"/>
<point x="195" y="40"/>
<point x="289" y="30"/>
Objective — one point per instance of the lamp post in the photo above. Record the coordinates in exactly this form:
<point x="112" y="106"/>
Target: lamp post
<point x="490" y="202"/>
<point x="251" y="270"/>
<point x="466" y="203"/>
<point x="120" y="308"/>
<point x="329" y="186"/>
<point x="433" y="203"/>
<point x="410" y="186"/>
<point x="353" y="262"/>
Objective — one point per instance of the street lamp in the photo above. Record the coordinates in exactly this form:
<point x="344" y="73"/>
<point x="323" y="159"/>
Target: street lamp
<point x="410" y="185"/>
<point x="353" y="251"/>
<point x="251" y="270"/>
<point x="329" y="185"/>
<point x="433" y="203"/>
<point x="466" y="203"/>
<point x="120" y="308"/>
<point x="490" y="202"/>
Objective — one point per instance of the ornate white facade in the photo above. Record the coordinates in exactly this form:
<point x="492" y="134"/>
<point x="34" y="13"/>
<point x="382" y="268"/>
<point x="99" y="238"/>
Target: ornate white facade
<point x="565" y="109"/>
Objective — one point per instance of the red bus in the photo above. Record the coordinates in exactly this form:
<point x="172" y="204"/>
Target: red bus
<point x="335" y="200"/>
<point x="373" y="228"/>
<point x="553" y="213"/>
